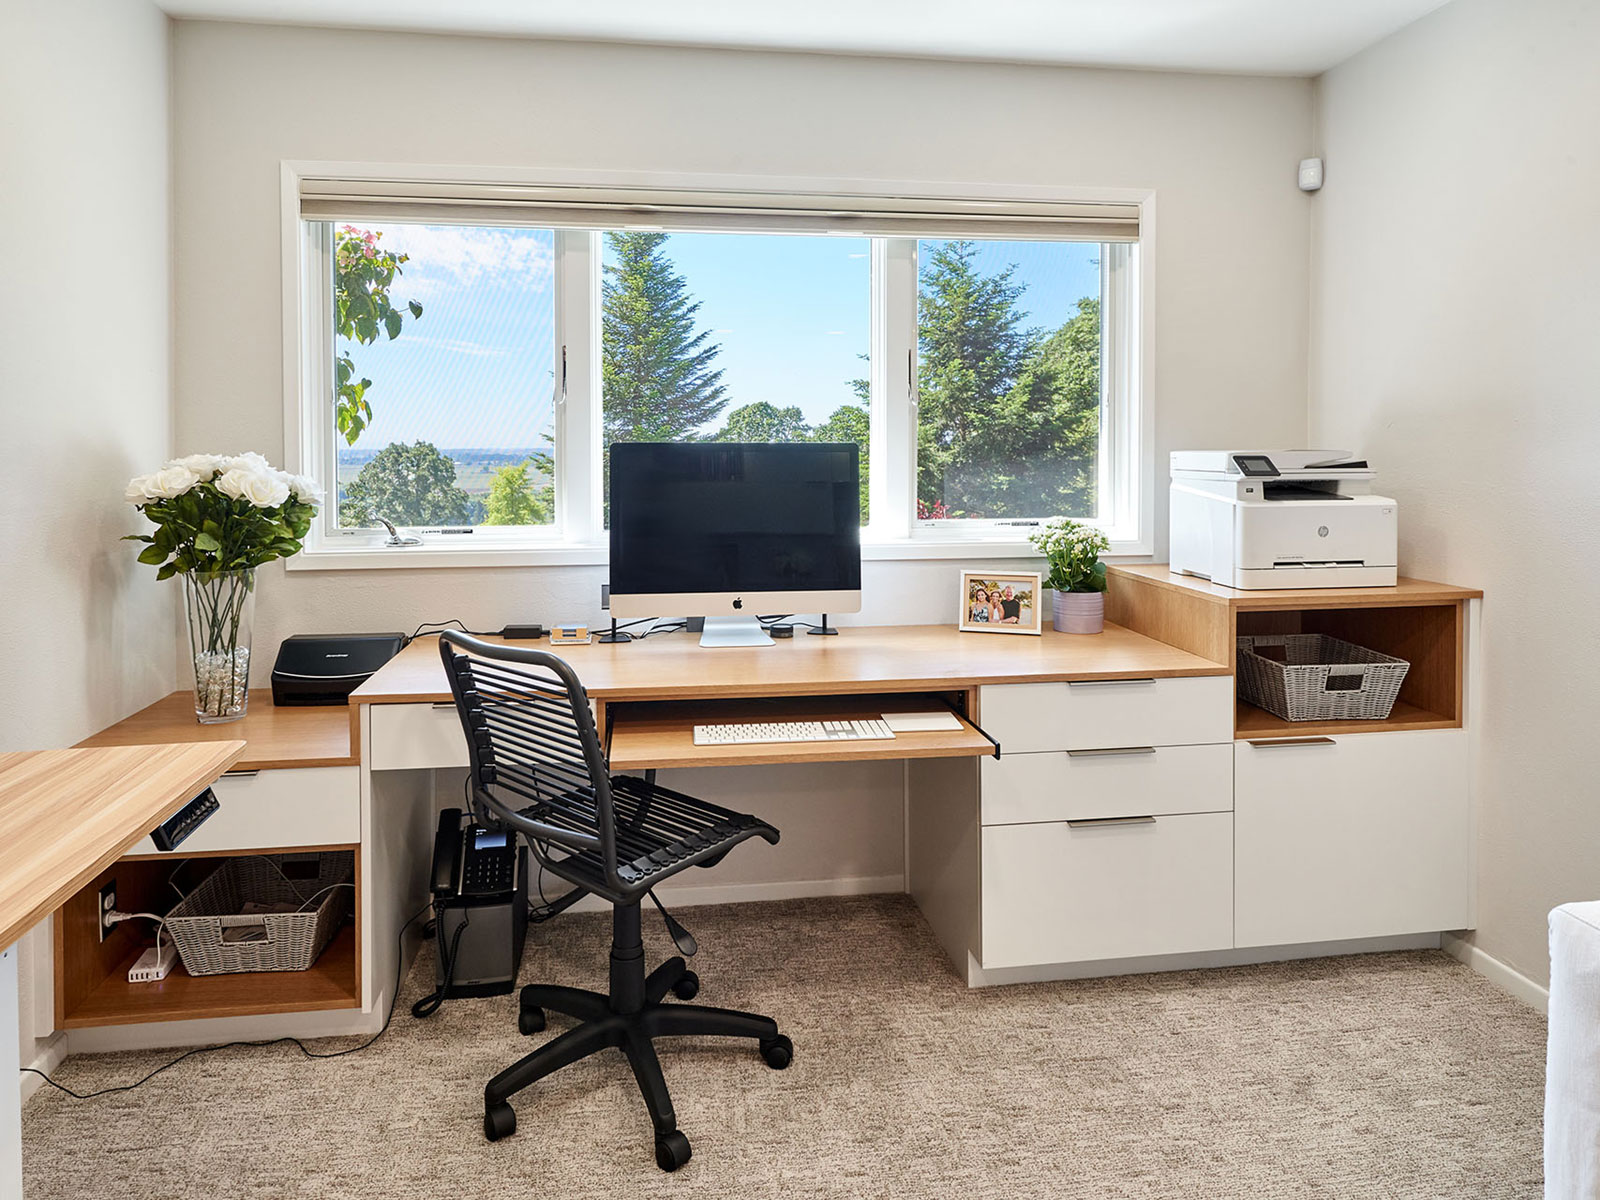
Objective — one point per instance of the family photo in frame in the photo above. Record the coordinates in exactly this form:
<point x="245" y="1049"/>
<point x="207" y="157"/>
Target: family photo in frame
<point x="1000" y="603"/>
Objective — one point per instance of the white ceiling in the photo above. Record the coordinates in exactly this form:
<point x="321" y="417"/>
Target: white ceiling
<point x="1277" y="37"/>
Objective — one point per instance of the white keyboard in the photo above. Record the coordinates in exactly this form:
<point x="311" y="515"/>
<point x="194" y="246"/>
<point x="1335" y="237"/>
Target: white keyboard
<point x="755" y="733"/>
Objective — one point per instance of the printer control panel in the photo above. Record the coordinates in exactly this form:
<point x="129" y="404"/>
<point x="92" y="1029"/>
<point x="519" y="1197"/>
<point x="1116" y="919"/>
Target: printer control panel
<point x="1255" y="466"/>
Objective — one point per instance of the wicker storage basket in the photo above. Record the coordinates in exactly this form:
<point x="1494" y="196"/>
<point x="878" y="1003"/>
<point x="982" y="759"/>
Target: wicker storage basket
<point x="1320" y="678"/>
<point x="216" y="936"/>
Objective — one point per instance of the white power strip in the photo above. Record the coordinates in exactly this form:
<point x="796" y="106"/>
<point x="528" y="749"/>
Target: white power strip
<point x="155" y="964"/>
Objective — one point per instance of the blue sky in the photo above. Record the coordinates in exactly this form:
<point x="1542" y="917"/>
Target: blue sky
<point x="790" y="314"/>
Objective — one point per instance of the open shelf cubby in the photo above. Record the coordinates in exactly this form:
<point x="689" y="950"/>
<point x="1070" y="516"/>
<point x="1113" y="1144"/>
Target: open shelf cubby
<point x="1423" y="623"/>
<point x="91" y="976"/>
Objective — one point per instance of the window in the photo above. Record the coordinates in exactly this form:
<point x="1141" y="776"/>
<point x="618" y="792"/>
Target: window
<point x="735" y="338"/>
<point x="468" y="352"/>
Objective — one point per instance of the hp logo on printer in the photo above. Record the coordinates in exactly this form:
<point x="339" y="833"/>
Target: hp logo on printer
<point x="1322" y="531"/>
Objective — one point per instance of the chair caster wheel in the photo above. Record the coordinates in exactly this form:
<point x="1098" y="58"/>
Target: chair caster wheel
<point x="688" y="987"/>
<point x="672" y="1150"/>
<point x="530" y="1020"/>
<point x="499" y="1121"/>
<point x="778" y="1051"/>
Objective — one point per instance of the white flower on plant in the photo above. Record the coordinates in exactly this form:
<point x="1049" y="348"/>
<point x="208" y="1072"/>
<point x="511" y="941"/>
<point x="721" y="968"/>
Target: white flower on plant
<point x="248" y="461"/>
<point x="262" y="488"/>
<point x="138" y="490"/>
<point x="174" y="479"/>
<point x="203" y="465"/>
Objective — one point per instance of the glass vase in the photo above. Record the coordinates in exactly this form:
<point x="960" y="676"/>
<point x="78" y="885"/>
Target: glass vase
<point x="220" y="606"/>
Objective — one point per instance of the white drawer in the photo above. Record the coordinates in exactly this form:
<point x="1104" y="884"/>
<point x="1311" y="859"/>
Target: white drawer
<point x="313" y="806"/>
<point x="1100" y="714"/>
<point x="1063" y="785"/>
<point x="1064" y="892"/>
<point x="416" y="736"/>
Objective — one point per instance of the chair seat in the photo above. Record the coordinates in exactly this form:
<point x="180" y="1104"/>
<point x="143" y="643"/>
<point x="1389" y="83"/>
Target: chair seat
<point x="659" y="833"/>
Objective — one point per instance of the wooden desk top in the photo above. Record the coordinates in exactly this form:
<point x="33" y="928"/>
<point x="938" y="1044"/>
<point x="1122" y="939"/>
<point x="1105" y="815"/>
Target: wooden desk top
<point x="883" y="658"/>
<point x="1407" y="592"/>
<point x="65" y="815"/>
<point x="274" y="737"/>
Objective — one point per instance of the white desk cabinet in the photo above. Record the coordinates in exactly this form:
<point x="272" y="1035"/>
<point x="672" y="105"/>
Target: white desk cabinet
<point x="1351" y="836"/>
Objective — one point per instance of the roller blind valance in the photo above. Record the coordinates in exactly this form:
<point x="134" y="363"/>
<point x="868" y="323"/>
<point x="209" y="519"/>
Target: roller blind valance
<point x="574" y="207"/>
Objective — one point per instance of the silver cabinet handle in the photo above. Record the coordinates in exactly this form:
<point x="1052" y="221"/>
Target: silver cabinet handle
<point x="1101" y="822"/>
<point x="1305" y="741"/>
<point x="442" y="704"/>
<point x="1114" y="752"/>
<point x="1108" y="682"/>
<point x="241" y="774"/>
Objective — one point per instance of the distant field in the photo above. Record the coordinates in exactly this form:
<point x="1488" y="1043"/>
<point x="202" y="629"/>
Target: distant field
<point x="474" y="468"/>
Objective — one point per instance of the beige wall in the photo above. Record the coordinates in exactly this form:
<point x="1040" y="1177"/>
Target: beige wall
<point x="1456" y="297"/>
<point x="85" y="380"/>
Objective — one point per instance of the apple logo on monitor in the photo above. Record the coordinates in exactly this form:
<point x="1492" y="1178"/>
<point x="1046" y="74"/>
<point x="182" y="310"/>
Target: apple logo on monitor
<point x="738" y="603"/>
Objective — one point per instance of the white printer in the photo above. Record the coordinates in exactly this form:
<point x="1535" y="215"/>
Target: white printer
<point x="1280" y="519"/>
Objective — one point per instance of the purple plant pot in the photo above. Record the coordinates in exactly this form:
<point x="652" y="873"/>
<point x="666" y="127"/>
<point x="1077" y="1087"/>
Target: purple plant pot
<point x="1079" y="612"/>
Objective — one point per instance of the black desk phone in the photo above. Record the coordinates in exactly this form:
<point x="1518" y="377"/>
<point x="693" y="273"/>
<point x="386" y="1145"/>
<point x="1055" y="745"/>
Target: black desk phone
<point x="471" y="861"/>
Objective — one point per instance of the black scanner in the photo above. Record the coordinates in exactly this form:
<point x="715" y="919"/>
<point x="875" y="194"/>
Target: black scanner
<point x="317" y="668"/>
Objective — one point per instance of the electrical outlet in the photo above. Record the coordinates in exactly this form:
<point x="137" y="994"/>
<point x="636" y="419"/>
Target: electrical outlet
<point x="108" y="901"/>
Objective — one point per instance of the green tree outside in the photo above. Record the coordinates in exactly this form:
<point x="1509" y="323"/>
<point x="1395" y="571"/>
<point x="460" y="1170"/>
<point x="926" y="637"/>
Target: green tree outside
<point x="512" y="500"/>
<point x="763" y="422"/>
<point x="408" y="484"/>
<point x="362" y="276"/>
<point x="1008" y="419"/>
<point x="657" y="372"/>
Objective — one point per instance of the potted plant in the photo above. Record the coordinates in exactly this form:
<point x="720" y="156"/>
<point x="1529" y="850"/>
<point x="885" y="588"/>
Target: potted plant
<point x="217" y="519"/>
<point x="1078" y="576"/>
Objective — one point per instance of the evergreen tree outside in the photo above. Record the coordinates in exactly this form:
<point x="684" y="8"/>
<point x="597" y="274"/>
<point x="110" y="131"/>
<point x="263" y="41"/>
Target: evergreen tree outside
<point x="763" y="422"/>
<point x="659" y="381"/>
<point x="407" y="484"/>
<point x="1008" y="420"/>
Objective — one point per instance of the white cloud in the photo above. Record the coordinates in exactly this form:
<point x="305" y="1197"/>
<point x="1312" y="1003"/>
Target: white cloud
<point x="855" y="255"/>
<point x="457" y="254"/>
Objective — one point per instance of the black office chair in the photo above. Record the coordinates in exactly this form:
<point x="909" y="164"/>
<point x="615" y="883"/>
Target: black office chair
<point x="538" y="769"/>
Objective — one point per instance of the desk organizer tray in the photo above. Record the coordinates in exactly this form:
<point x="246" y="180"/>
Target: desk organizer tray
<point x="1314" y="677"/>
<point x="228" y="923"/>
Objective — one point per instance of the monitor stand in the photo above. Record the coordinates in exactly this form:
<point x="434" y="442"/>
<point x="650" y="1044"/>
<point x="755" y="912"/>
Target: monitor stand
<point x="734" y="631"/>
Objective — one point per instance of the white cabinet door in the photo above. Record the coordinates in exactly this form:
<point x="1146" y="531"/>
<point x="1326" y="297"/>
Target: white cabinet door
<point x="1351" y="837"/>
<point x="1086" y="891"/>
<point x="415" y="737"/>
<point x="301" y="806"/>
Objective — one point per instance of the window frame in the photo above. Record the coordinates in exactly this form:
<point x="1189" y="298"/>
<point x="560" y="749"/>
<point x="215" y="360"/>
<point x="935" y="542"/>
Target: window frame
<point x="577" y="536"/>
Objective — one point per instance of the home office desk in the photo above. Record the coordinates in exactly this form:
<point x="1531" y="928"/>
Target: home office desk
<point x="1136" y="818"/>
<point x="65" y="815"/>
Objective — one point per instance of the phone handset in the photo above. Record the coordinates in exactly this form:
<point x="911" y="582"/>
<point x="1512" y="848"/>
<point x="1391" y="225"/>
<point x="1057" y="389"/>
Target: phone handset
<point x="447" y="847"/>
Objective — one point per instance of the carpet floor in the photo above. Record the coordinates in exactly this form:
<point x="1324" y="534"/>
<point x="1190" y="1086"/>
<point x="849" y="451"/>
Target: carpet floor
<point x="1387" y="1075"/>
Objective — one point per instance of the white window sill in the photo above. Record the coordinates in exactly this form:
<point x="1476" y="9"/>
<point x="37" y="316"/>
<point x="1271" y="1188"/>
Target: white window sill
<point x="377" y="557"/>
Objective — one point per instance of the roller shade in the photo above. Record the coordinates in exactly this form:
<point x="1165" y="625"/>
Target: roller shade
<point x="573" y="207"/>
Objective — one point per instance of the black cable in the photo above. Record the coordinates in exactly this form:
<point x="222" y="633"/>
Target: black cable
<point x="433" y="627"/>
<point x="301" y="1046"/>
<point x="429" y="1005"/>
<point x="669" y="627"/>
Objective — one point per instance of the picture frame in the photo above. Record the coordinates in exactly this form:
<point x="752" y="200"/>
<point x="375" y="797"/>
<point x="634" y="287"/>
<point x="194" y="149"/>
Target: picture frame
<point x="1000" y="602"/>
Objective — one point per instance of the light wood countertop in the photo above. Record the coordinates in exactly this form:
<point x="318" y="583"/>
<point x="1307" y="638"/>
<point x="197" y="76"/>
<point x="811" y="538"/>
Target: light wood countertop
<point x="1405" y="593"/>
<point x="861" y="659"/>
<point x="274" y="737"/>
<point x="65" y="815"/>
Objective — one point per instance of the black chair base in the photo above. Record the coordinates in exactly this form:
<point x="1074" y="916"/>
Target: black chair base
<point x="630" y="1018"/>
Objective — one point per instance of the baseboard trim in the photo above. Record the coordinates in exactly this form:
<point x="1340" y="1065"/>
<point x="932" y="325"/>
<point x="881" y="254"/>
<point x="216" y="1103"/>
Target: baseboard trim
<point x="688" y="896"/>
<point x="47" y="1060"/>
<point x="1507" y="978"/>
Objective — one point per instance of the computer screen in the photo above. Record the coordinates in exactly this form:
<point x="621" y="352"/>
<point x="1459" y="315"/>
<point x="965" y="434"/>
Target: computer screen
<point x="734" y="528"/>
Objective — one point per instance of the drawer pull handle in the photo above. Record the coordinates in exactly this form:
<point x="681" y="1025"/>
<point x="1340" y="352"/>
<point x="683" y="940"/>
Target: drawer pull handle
<point x="240" y="774"/>
<point x="443" y="704"/>
<point x="1114" y="752"/>
<point x="1305" y="741"/>
<point x="1089" y="683"/>
<point x="1102" y="822"/>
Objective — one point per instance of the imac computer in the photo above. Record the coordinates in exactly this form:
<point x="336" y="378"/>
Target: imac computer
<point x="728" y="530"/>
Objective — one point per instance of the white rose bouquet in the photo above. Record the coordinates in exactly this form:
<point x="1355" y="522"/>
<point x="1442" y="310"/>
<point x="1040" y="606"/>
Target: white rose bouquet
<point x="217" y="519"/>
<point x="216" y="512"/>
<point x="1073" y="551"/>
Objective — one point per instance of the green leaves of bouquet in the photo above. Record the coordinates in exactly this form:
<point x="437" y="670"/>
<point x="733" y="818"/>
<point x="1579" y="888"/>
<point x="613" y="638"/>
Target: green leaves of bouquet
<point x="216" y="513"/>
